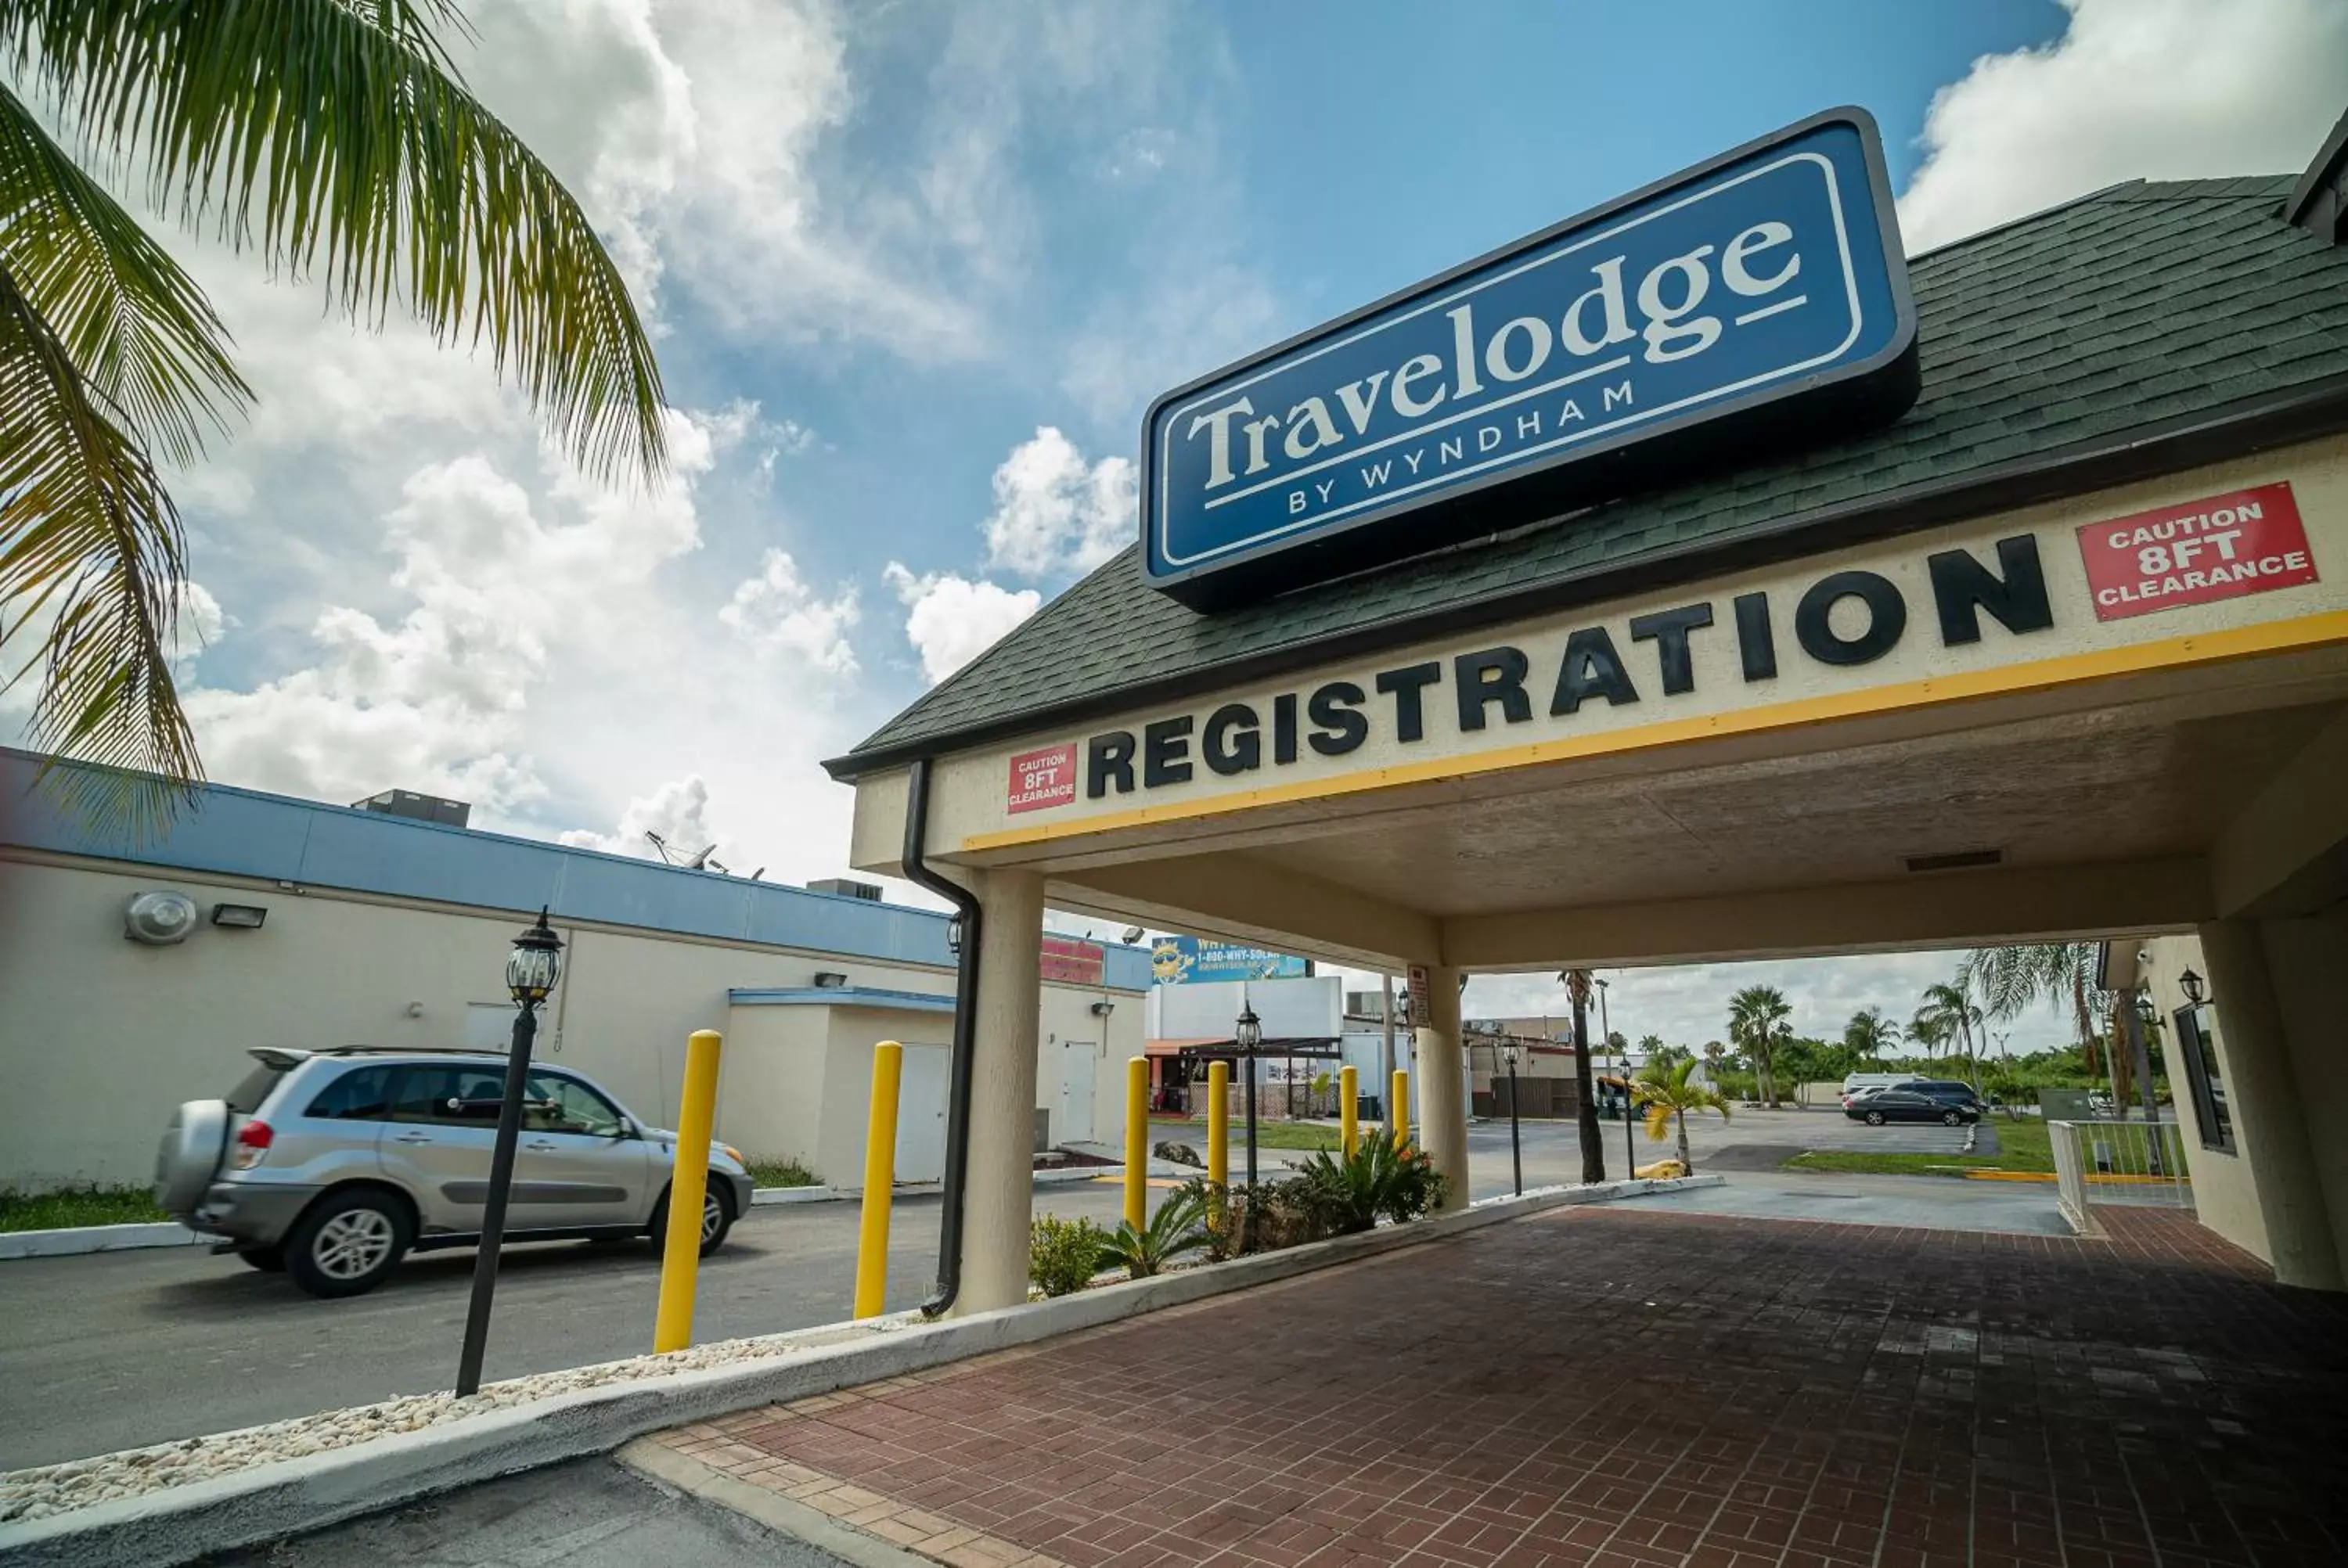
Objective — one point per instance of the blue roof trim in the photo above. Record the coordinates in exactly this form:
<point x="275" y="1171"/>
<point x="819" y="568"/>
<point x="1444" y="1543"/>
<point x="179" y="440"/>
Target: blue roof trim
<point x="244" y="833"/>
<point x="838" y="997"/>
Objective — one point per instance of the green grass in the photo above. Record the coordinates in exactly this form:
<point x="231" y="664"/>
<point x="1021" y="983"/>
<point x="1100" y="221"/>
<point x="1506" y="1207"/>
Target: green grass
<point x="1268" y="1134"/>
<point x="780" y="1173"/>
<point x="85" y="1206"/>
<point x="2021" y="1146"/>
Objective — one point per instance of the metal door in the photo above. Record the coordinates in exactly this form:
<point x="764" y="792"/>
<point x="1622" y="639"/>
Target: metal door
<point x="1077" y="1060"/>
<point x="921" y="1115"/>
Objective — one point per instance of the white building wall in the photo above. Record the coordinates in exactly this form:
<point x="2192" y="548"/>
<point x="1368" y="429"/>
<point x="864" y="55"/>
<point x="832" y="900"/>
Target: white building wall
<point x="100" y="1038"/>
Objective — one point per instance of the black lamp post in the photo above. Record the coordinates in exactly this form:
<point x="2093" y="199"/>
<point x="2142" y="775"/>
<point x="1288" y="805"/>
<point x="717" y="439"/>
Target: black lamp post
<point x="1516" y="1149"/>
<point x="531" y="970"/>
<point x="1247" y="1033"/>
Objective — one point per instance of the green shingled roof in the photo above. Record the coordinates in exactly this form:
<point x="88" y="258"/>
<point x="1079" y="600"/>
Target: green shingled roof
<point x="2146" y="308"/>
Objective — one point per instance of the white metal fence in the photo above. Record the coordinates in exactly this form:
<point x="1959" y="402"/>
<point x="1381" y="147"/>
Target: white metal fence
<point x="2108" y="1163"/>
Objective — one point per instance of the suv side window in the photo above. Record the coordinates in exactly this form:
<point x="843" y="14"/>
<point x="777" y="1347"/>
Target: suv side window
<point x="460" y="1096"/>
<point x="362" y="1094"/>
<point x="556" y="1103"/>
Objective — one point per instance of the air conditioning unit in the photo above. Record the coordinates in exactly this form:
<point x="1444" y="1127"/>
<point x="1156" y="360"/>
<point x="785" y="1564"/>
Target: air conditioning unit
<point x="846" y="887"/>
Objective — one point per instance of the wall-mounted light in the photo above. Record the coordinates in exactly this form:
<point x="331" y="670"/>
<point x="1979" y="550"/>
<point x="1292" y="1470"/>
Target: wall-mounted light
<point x="1103" y="1008"/>
<point x="953" y="933"/>
<point x="240" y="917"/>
<point x="2193" y="986"/>
<point x="159" y="918"/>
<point x="830" y="980"/>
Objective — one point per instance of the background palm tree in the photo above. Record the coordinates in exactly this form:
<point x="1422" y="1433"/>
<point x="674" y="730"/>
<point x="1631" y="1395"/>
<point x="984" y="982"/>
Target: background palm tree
<point x="335" y="140"/>
<point x="1669" y="1095"/>
<point x="2008" y="980"/>
<point x="1757" y="1019"/>
<point x="1950" y="1007"/>
<point x="1931" y="1030"/>
<point x="1870" y="1034"/>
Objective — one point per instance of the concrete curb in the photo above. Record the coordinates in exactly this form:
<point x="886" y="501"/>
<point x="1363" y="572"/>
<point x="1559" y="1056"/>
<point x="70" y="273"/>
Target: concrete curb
<point x="78" y="1239"/>
<point x="765" y="1197"/>
<point x="783" y="1515"/>
<point x="268" y="1502"/>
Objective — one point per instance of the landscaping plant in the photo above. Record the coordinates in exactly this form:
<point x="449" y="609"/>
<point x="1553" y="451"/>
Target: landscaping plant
<point x="1377" y="1180"/>
<point x="1179" y="1226"/>
<point x="1063" y="1255"/>
<point x="1669" y="1095"/>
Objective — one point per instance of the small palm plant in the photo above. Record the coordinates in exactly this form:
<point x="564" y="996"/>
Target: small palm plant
<point x="1378" y="1180"/>
<point x="1668" y="1094"/>
<point x="1179" y="1226"/>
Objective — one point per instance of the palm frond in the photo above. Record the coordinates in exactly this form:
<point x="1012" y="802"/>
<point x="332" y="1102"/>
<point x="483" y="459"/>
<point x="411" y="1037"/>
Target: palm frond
<point x="86" y="527"/>
<point x="329" y="135"/>
<point x="135" y="324"/>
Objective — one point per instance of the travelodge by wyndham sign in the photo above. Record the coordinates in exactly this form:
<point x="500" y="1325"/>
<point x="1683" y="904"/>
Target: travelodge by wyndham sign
<point x="1757" y="300"/>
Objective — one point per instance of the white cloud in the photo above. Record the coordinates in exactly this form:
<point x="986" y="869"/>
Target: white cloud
<point x="495" y="577"/>
<point x="2161" y="89"/>
<point x="678" y="811"/>
<point x="777" y="612"/>
<point x="951" y="620"/>
<point x="1054" y="513"/>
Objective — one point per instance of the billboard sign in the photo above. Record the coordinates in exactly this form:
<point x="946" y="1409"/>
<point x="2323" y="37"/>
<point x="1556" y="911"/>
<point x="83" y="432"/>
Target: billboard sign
<point x="1182" y="960"/>
<point x="1762" y="295"/>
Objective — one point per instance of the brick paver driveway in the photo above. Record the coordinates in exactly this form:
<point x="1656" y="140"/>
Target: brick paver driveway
<point x="1603" y="1385"/>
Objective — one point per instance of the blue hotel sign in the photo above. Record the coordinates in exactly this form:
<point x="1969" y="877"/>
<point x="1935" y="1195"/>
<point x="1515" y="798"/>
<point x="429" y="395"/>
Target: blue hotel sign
<point x="1757" y="300"/>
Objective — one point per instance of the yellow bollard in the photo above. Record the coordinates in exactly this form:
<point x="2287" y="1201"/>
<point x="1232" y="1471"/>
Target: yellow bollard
<point x="1219" y="1124"/>
<point x="1348" y="1109"/>
<point x="1398" y="1117"/>
<point x="1137" y="1141"/>
<point x="688" y="1185"/>
<point x="880" y="1178"/>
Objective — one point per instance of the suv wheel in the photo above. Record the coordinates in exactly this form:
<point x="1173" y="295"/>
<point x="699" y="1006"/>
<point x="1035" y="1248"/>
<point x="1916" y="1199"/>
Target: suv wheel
<point x="717" y="1219"/>
<point x="1875" y="1118"/>
<point x="347" y="1242"/>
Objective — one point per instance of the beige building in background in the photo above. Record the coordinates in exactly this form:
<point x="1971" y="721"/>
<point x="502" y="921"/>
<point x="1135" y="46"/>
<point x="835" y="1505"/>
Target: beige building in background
<point x="376" y="930"/>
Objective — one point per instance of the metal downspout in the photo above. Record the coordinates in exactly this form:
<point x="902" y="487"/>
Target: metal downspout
<point x="966" y="1031"/>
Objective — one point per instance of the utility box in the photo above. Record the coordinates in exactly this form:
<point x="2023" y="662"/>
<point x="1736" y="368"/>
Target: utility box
<point x="416" y="807"/>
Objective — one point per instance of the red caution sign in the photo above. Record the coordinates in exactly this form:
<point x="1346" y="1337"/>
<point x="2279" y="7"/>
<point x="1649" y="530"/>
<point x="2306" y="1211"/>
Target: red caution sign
<point x="1041" y="780"/>
<point x="2247" y="541"/>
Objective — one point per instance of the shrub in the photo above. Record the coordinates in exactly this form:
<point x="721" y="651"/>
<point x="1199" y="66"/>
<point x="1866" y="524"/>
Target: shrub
<point x="1218" y="1226"/>
<point x="1379" y="1180"/>
<point x="1063" y="1255"/>
<point x="1179" y="1226"/>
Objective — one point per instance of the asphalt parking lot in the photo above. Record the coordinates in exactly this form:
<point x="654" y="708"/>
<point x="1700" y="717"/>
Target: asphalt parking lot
<point x="121" y="1349"/>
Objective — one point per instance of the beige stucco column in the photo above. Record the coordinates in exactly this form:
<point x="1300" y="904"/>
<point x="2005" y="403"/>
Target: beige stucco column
<point x="1442" y="1094"/>
<point x="997" y="1199"/>
<point x="2263" y="1096"/>
<point x="2307" y="962"/>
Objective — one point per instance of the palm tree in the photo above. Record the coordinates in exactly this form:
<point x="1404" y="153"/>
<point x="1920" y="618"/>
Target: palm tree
<point x="1870" y="1034"/>
<point x="333" y="139"/>
<point x="2008" y="980"/>
<point x="1928" y="1029"/>
<point x="1756" y="1020"/>
<point x="1950" y="1007"/>
<point x="1668" y="1094"/>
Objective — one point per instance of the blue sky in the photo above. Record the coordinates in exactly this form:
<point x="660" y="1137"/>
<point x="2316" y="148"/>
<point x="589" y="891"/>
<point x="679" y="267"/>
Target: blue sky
<point x="916" y="269"/>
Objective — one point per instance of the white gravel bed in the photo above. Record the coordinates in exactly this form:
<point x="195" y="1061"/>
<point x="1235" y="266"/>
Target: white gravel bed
<point x="52" y="1489"/>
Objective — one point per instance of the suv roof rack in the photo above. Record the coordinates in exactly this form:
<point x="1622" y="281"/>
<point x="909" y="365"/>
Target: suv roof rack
<point x="408" y="1051"/>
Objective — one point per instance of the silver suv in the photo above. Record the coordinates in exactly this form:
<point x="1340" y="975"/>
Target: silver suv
<point x="334" y="1164"/>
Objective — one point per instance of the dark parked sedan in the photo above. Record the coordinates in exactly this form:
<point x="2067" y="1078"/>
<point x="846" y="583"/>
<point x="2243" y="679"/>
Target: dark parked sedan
<point x="1907" y="1105"/>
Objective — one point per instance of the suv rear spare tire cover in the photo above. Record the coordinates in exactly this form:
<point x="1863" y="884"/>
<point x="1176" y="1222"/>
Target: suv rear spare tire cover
<point x="190" y="1155"/>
